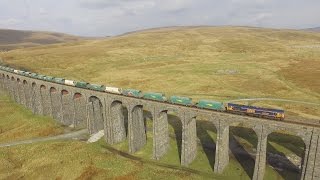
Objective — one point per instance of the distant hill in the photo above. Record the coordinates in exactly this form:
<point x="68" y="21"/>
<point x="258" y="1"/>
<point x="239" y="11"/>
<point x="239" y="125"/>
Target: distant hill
<point x="14" y="39"/>
<point x="316" y="29"/>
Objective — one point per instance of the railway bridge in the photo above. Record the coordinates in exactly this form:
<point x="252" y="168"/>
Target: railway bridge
<point x="97" y="111"/>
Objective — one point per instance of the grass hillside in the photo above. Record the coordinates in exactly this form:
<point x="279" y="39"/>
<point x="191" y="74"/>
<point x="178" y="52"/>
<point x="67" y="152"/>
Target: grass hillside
<point x="221" y="63"/>
<point x="13" y="39"/>
<point x="316" y="29"/>
<point x="17" y="123"/>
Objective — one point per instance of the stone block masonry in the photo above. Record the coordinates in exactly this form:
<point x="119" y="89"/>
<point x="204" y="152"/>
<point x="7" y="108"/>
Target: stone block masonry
<point x="98" y="111"/>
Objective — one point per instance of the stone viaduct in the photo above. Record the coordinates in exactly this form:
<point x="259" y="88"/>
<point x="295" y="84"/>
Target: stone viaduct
<point x="104" y="111"/>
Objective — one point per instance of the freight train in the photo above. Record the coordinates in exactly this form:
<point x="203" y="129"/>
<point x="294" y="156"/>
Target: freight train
<point x="260" y="112"/>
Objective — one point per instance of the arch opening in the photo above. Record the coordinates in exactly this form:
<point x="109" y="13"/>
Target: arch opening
<point x="64" y="92"/>
<point x="53" y="90"/>
<point x="95" y="115"/>
<point x="118" y="122"/>
<point x="243" y="146"/>
<point x="285" y="154"/>
<point x="175" y="140"/>
<point x="207" y="136"/>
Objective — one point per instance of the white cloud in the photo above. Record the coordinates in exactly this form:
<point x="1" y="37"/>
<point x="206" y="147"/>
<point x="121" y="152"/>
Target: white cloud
<point x="110" y="17"/>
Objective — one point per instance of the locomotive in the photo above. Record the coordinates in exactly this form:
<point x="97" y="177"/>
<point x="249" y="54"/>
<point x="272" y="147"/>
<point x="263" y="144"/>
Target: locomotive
<point x="260" y="112"/>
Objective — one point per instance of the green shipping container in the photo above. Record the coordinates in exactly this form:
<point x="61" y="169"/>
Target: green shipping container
<point x="81" y="84"/>
<point x="207" y="104"/>
<point x="42" y="77"/>
<point x="21" y="72"/>
<point x="49" y="78"/>
<point x="132" y="92"/>
<point x="180" y="100"/>
<point x="96" y="87"/>
<point x="58" y="80"/>
<point x="33" y="75"/>
<point x="155" y="96"/>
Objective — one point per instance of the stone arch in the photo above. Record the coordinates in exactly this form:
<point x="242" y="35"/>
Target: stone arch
<point x="175" y="126"/>
<point x="80" y="115"/>
<point x="95" y="118"/>
<point x="207" y="135"/>
<point x="56" y="105"/>
<point x="67" y="108"/>
<point x="116" y="122"/>
<point x="243" y="142"/>
<point x="137" y="133"/>
<point x="280" y="146"/>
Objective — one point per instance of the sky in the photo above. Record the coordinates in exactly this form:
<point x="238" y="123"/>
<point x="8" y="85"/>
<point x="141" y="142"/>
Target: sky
<point x="114" y="17"/>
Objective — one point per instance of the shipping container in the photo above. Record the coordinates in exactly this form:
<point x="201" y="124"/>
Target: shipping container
<point x="96" y="87"/>
<point x="155" y="96"/>
<point x="209" y="104"/>
<point x="132" y="92"/>
<point x="59" y="80"/>
<point x="40" y="76"/>
<point x="81" y="84"/>
<point x="33" y="75"/>
<point x="180" y="100"/>
<point x="69" y="82"/>
<point x="49" y="78"/>
<point x="113" y="90"/>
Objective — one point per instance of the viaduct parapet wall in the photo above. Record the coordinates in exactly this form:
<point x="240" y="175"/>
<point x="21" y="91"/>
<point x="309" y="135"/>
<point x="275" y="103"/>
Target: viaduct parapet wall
<point x="97" y="111"/>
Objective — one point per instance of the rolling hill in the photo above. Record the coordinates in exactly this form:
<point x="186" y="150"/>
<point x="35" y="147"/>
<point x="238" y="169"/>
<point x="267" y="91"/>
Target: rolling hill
<point x="220" y="63"/>
<point x="13" y="39"/>
<point x="316" y="29"/>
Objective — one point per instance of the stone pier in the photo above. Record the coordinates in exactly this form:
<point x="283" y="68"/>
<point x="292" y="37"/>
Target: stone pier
<point x="160" y="133"/>
<point x="137" y="129"/>
<point x="222" y="146"/>
<point x="189" y="139"/>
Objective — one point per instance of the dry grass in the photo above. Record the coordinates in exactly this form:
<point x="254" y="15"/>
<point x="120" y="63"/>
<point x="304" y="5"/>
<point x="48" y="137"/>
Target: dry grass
<point x="76" y="160"/>
<point x="14" y="39"/>
<point x="201" y="62"/>
<point x="17" y="123"/>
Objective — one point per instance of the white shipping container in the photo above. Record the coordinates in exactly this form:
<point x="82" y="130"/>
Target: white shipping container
<point x="69" y="82"/>
<point x="113" y="90"/>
